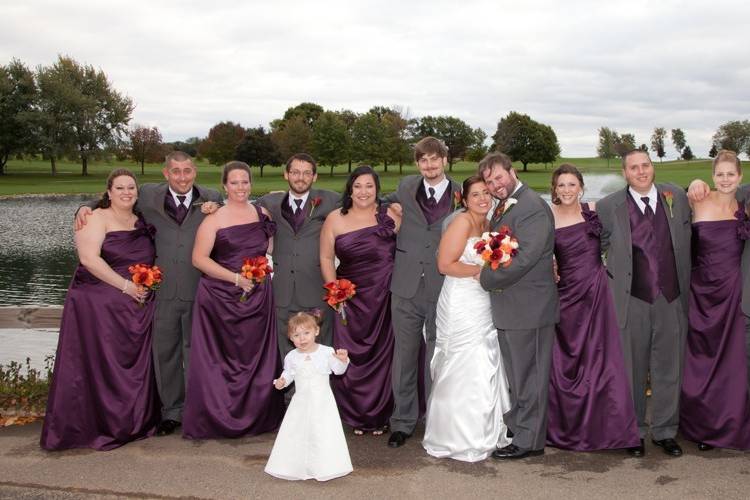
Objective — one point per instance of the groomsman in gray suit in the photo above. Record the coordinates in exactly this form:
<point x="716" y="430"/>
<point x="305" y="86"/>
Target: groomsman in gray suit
<point x="426" y="200"/>
<point x="524" y="304"/>
<point x="173" y="208"/>
<point x="299" y="214"/>
<point x="646" y="241"/>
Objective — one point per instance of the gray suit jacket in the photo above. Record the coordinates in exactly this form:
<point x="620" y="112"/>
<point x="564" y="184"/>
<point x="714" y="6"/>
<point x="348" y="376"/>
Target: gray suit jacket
<point x="296" y="256"/>
<point x="417" y="243"/>
<point x="524" y="295"/>
<point x="174" y="242"/>
<point x="617" y="245"/>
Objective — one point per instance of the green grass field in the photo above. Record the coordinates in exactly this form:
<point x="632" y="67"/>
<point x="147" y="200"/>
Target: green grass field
<point x="33" y="176"/>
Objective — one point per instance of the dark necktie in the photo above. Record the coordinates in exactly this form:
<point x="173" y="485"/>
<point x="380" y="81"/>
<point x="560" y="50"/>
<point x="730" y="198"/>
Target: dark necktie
<point x="431" y="201"/>
<point x="297" y="202"/>
<point x="648" y="212"/>
<point x="299" y="216"/>
<point x="181" y="211"/>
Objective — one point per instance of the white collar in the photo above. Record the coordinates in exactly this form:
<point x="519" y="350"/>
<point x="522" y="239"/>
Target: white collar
<point x="188" y="197"/>
<point x="439" y="188"/>
<point x="652" y="196"/>
<point x="518" y="186"/>
<point x="293" y="197"/>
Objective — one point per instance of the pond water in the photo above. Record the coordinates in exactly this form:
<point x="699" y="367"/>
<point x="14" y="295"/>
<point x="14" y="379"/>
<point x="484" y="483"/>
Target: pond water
<point x="37" y="258"/>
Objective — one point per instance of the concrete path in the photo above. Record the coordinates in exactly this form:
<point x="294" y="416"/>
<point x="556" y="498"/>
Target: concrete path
<point x="171" y="467"/>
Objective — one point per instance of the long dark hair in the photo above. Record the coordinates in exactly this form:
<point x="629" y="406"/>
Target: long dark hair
<point x="466" y="186"/>
<point x="104" y="201"/>
<point x="346" y="197"/>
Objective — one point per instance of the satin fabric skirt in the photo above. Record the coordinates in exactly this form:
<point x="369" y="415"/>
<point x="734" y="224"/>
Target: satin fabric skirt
<point x="469" y="389"/>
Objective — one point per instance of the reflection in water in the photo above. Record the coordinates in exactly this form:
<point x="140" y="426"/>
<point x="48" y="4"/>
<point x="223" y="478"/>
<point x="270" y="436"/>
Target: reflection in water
<point x="37" y="257"/>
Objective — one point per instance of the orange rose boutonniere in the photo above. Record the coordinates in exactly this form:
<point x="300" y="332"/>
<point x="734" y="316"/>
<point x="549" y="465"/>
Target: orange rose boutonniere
<point x="669" y="198"/>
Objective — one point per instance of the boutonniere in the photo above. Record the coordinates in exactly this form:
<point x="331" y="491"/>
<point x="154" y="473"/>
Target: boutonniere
<point x="509" y="204"/>
<point x="314" y="203"/>
<point x="669" y="198"/>
<point x="457" y="200"/>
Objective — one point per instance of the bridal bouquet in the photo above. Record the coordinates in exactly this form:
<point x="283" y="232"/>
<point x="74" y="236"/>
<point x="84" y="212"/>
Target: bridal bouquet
<point x="497" y="249"/>
<point x="255" y="269"/>
<point x="337" y="293"/>
<point x="148" y="277"/>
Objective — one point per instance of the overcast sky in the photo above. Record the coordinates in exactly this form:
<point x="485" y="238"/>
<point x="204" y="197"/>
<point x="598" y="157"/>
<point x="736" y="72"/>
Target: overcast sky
<point x="575" y="65"/>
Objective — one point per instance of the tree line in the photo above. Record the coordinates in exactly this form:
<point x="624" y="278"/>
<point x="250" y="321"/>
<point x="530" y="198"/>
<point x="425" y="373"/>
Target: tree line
<point x="71" y="110"/>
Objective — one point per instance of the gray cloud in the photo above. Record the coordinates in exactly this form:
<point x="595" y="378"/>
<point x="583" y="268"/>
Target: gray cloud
<point x="576" y="65"/>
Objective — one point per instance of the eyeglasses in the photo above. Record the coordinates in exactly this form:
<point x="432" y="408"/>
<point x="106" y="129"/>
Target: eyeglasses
<point x="297" y="173"/>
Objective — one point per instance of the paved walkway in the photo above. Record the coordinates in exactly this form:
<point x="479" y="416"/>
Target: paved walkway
<point x="169" y="467"/>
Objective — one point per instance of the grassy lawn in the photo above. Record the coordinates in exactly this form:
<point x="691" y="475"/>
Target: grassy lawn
<point x="33" y="177"/>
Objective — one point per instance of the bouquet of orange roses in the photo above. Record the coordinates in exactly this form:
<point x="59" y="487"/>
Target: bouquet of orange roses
<point x="255" y="269"/>
<point x="497" y="249"/>
<point x="148" y="277"/>
<point x="337" y="293"/>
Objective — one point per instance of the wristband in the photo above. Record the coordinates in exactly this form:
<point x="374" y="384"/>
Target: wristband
<point x="236" y="279"/>
<point x="125" y="286"/>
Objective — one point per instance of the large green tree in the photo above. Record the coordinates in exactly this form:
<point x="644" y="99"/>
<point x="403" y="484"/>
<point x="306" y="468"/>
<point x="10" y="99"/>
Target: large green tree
<point x="309" y="111"/>
<point x="457" y="135"/>
<point x="292" y="136"/>
<point x="524" y="139"/>
<point x="368" y="139"/>
<point x="657" y="142"/>
<point x="53" y="131"/>
<point x="97" y="113"/>
<point x="145" y="145"/>
<point x="678" y="139"/>
<point x="608" y="139"/>
<point x="18" y="94"/>
<point x="733" y="135"/>
<point x="257" y="149"/>
<point x="478" y="148"/>
<point x="330" y="140"/>
<point x="222" y="141"/>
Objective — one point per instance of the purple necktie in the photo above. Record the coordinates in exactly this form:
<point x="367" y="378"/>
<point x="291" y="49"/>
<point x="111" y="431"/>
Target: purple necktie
<point x="299" y="216"/>
<point x="648" y="212"/>
<point x="182" y="210"/>
<point x="431" y="201"/>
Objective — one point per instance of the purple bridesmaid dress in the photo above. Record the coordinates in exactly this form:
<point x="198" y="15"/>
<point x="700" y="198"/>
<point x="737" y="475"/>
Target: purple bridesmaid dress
<point x="714" y="406"/>
<point x="590" y="403"/>
<point x="234" y="355"/>
<point x="103" y="391"/>
<point x="364" y="393"/>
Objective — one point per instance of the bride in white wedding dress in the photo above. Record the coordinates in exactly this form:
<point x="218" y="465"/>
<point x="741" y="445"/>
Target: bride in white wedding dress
<point x="469" y="389"/>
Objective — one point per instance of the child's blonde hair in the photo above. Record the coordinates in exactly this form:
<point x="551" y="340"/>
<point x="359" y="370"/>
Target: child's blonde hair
<point x="302" y="319"/>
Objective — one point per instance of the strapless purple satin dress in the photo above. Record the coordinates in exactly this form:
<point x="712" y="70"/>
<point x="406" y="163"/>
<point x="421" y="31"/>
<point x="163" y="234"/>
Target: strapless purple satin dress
<point x="103" y="391"/>
<point x="715" y="405"/>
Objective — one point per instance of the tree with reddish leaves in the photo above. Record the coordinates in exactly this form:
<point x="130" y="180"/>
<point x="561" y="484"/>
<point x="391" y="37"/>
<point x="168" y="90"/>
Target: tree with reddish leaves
<point x="145" y="145"/>
<point x="222" y="141"/>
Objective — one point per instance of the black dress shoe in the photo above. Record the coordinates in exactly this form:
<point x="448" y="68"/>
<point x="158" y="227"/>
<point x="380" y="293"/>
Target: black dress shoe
<point x="398" y="439"/>
<point x="167" y="427"/>
<point x="704" y="447"/>
<point x="637" y="451"/>
<point x="513" y="452"/>
<point x="669" y="446"/>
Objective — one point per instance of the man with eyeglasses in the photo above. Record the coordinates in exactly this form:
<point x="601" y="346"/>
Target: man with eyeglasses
<point x="299" y="214"/>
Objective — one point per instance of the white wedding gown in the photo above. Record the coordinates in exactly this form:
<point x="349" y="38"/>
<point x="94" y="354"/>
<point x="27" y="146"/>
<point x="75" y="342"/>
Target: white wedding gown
<point x="469" y="388"/>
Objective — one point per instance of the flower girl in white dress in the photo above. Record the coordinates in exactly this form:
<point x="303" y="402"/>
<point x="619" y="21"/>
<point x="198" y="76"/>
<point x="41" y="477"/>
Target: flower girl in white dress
<point x="310" y="443"/>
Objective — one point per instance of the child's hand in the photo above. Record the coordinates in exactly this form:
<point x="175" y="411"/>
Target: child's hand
<point x="279" y="383"/>
<point x="342" y="355"/>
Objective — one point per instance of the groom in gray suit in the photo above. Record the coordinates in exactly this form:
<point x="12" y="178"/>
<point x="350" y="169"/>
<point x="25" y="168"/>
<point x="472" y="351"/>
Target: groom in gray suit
<point x="172" y="207"/>
<point x="646" y="240"/>
<point x="426" y="200"/>
<point x="299" y="214"/>
<point x="524" y="304"/>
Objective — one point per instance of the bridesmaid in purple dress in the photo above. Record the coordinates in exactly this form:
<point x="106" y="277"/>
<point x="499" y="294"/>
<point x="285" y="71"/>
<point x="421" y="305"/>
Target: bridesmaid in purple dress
<point x="103" y="391"/>
<point x="714" y="405"/>
<point x="234" y="356"/>
<point x="590" y="406"/>
<point x="362" y="234"/>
